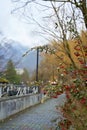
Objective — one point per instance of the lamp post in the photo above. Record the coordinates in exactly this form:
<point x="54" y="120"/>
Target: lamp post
<point x="38" y="49"/>
<point x="37" y="61"/>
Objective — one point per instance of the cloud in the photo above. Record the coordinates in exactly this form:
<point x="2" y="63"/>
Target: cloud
<point x="14" y="28"/>
<point x="17" y="31"/>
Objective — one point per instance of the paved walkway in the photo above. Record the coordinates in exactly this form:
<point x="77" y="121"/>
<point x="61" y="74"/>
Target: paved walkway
<point x="39" y="117"/>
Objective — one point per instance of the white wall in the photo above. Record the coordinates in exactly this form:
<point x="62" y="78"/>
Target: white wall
<point x="13" y="105"/>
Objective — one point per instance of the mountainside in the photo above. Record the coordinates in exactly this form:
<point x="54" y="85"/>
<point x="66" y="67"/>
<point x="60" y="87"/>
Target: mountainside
<point x="13" y="50"/>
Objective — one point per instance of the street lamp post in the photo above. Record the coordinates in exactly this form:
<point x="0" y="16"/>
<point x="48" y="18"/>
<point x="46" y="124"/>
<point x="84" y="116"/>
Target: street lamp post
<point x="37" y="61"/>
<point x="38" y="49"/>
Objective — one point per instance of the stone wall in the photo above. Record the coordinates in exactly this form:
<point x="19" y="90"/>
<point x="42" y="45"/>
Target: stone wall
<point x="12" y="105"/>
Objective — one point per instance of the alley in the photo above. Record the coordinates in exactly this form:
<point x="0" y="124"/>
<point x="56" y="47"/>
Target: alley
<point x="39" y="117"/>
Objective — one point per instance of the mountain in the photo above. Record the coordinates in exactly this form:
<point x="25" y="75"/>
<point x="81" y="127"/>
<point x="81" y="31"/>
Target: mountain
<point x="10" y="49"/>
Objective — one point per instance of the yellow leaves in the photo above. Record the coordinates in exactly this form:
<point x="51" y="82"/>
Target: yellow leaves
<point x="3" y="80"/>
<point x="70" y="52"/>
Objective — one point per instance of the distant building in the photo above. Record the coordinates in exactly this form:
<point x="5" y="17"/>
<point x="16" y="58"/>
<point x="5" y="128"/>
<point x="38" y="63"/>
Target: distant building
<point x="19" y="71"/>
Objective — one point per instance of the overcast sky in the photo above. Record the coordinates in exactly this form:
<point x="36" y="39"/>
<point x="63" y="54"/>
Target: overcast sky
<point x="14" y="28"/>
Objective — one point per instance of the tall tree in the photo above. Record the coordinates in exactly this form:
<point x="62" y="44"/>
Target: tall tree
<point x="25" y="76"/>
<point x="79" y="4"/>
<point x="11" y="74"/>
<point x="62" y="22"/>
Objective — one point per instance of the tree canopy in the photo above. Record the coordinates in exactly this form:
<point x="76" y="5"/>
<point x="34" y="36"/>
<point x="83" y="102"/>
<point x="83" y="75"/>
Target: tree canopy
<point x="11" y="74"/>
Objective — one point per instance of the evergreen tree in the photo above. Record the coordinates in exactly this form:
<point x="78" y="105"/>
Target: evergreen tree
<point x="11" y="74"/>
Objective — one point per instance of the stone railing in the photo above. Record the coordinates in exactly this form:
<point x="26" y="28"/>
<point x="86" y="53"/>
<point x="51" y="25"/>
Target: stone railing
<point x="12" y="105"/>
